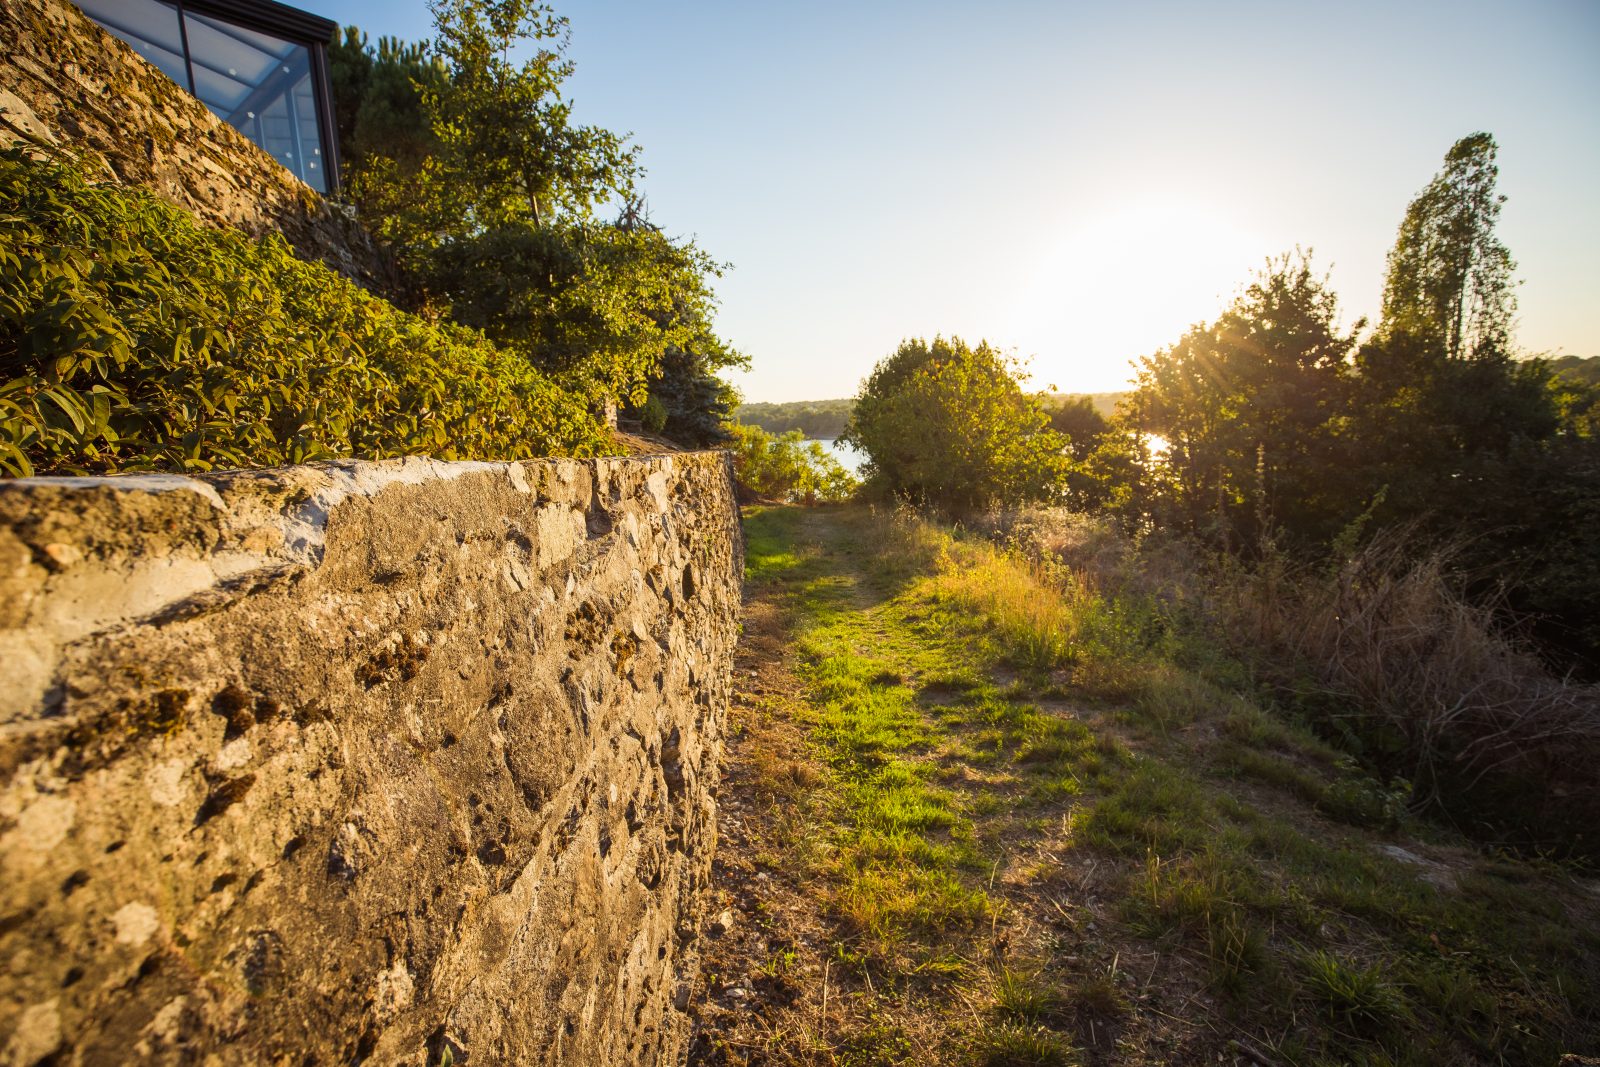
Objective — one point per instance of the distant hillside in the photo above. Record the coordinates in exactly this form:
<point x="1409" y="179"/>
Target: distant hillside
<point x="819" y="419"/>
<point x="1585" y="369"/>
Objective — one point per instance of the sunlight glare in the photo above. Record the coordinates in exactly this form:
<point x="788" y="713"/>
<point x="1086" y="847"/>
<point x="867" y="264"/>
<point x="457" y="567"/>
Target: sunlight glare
<point x="1125" y="282"/>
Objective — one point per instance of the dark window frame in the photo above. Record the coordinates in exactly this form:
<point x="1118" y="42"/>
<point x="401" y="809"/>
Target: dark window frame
<point x="298" y="27"/>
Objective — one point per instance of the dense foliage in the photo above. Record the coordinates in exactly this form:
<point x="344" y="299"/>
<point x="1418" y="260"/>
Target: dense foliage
<point x="1281" y="427"/>
<point x="467" y="160"/>
<point x="1416" y="511"/>
<point x="1449" y="277"/>
<point x="688" y="403"/>
<point x="949" y="425"/>
<point x="788" y="468"/>
<point x="132" y="338"/>
<point x="1585" y="371"/>
<point x="1246" y="407"/>
<point x="1081" y="416"/>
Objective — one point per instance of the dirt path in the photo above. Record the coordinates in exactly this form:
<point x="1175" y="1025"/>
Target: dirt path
<point x="786" y="980"/>
<point x="939" y="847"/>
<point x="745" y="1008"/>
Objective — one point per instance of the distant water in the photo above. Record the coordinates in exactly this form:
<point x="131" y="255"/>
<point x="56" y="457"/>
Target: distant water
<point x="849" y="457"/>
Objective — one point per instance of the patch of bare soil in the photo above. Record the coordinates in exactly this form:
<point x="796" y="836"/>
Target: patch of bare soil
<point x="763" y="966"/>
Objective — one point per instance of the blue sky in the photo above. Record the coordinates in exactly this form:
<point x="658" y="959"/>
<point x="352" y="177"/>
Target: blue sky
<point x="1077" y="182"/>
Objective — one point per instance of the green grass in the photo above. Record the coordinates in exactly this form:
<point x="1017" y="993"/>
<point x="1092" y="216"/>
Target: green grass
<point x="1014" y="1045"/>
<point x="1028" y="998"/>
<point x="970" y="706"/>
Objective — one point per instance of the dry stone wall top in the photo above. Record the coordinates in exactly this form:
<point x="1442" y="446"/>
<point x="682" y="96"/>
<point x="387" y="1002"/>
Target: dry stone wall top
<point x="403" y="762"/>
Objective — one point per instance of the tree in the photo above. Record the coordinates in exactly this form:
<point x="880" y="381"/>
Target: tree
<point x="386" y="143"/>
<point x="1077" y="419"/>
<point x="508" y="147"/>
<point x="689" y="403"/>
<point x="949" y="425"/>
<point x="1249" y="408"/>
<point x="468" y="162"/>
<point x="377" y="100"/>
<point x="1442" y="406"/>
<point x="822" y="419"/>
<point x="1449" y="277"/>
<point x="788" y="467"/>
<point x="596" y="306"/>
<point x="1472" y="447"/>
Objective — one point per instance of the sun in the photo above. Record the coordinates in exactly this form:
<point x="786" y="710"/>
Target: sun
<point x="1124" y="279"/>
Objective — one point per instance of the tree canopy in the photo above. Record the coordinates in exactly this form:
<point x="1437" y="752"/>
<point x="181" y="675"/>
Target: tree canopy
<point x="1248" y="407"/>
<point x="1449" y="276"/>
<point x="509" y="151"/>
<point x="823" y="420"/>
<point x="1276" y="426"/>
<point x="468" y="161"/>
<point x="947" y="424"/>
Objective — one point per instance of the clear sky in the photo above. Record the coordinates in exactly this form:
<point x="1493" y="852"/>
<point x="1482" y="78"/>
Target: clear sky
<point x="1074" y="181"/>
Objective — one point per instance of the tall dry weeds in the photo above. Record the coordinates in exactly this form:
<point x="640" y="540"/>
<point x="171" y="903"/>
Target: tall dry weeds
<point x="1429" y="685"/>
<point x="1382" y="654"/>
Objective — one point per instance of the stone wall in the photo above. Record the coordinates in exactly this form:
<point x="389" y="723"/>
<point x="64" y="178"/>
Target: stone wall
<point x="396" y="763"/>
<point x="66" y="84"/>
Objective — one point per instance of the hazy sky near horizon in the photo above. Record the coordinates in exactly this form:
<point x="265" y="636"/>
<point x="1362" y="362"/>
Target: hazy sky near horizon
<point x="1076" y="182"/>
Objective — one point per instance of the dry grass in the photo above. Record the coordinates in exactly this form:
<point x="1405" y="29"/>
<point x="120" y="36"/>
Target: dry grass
<point x="1382" y="655"/>
<point x="1429" y="687"/>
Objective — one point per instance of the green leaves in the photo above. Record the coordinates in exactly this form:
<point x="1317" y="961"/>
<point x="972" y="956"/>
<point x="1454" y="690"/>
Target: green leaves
<point x="788" y="468"/>
<point x="506" y="144"/>
<point x="596" y="307"/>
<point x="463" y="155"/>
<point x="1249" y="408"/>
<point x="950" y="425"/>
<point x="132" y="338"/>
<point x="1449" y="278"/>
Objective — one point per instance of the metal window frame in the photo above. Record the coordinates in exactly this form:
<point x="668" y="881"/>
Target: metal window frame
<point x="302" y="28"/>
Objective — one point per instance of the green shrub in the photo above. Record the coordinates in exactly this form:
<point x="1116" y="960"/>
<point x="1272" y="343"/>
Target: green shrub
<point x="788" y="467"/>
<point x="132" y="338"/>
<point x="949" y="425"/>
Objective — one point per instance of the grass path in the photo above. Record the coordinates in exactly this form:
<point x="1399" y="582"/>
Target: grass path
<point x="974" y="813"/>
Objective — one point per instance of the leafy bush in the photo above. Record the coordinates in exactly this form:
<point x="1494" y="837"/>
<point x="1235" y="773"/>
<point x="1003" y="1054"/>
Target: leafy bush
<point x="948" y="425"/>
<point x="788" y="467"/>
<point x="597" y="307"/>
<point x="132" y="338"/>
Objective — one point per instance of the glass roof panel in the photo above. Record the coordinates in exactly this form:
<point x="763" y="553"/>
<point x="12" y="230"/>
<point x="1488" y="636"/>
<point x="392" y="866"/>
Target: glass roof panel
<point x="259" y="83"/>
<point x="219" y="92"/>
<point x="149" y="26"/>
<point x="227" y="51"/>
